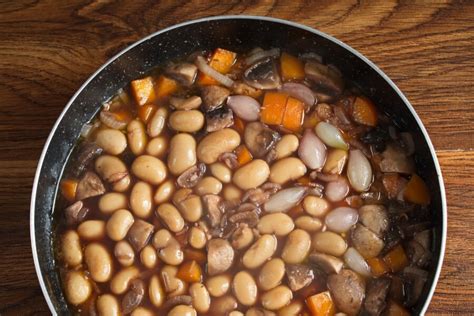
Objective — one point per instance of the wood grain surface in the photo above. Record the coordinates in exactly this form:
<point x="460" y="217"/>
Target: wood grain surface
<point x="48" y="49"/>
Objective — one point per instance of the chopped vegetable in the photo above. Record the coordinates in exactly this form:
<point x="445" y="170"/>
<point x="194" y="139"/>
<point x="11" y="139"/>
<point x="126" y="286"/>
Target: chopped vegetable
<point x="146" y="111"/>
<point x="321" y="304"/>
<point x="377" y="266"/>
<point x="396" y="259"/>
<point x="68" y="189"/>
<point x="273" y="108"/>
<point x="291" y="67"/>
<point x="304" y="180"/>
<point x="393" y="184"/>
<point x="239" y="125"/>
<point x="222" y="61"/>
<point x="294" y="115"/>
<point x="416" y="191"/>
<point x="190" y="271"/>
<point x="143" y="90"/>
<point x="364" y="111"/>
<point x="296" y="211"/>
<point x="311" y="120"/>
<point x="193" y="254"/>
<point x="243" y="155"/>
<point x="395" y="309"/>
<point x="165" y="86"/>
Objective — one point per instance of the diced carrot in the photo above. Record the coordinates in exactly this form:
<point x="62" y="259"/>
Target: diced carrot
<point x="273" y="108"/>
<point x="321" y="304"/>
<point x="395" y="309"/>
<point x="393" y="184"/>
<point x="377" y="266"/>
<point x="143" y="90"/>
<point x="311" y="120"/>
<point x="291" y="67"/>
<point x="304" y="180"/>
<point x="243" y="155"/>
<point x="364" y="111"/>
<point x="416" y="191"/>
<point x="294" y="115"/>
<point x="123" y="115"/>
<point x="193" y="254"/>
<point x="222" y="61"/>
<point x="165" y="86"/>
<point x="68" y="189"/>
<point x="190" y="271"/>
<point x="396" y="259"/>
<point x="239" y="125"/>
<point x="145" y="112"/>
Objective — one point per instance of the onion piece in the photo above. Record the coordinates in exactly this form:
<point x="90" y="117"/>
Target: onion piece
<point x="359" y="171"/>
<point x="341" y="219"/>
<point x="284" y="200"/>
<point x="312" y="150"/>
<point x="300" y="92"/>
<point x="110" y="119"/>
<point x="211" y="72"/>
<point x="337" y="190"/>
<point x="356" y="262"/>
<point x="331" y="135"/>
<point x="260" y="54"/>
<point x="245" y="107"/>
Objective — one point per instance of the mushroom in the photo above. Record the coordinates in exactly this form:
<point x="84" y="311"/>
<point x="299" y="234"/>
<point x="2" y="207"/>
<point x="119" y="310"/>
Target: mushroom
<point x="424" y="238"/>
<point x="191" y="176"/>
<point x="133" y="298"/>
<point x="90" y="185"/>
<point x="248" y="217"/>
<point x="245" y="89"/>
<point x="374" y="217"/>
<point x="212" y="206"/>
<point x="416" y="279"/>
<point x="259" y="138"/>
<point x="375" y="300"/>
<point x="219" y="119"/>
<point x="230" y="160"/>
<point x="347" y="290"/>
<point x="395" y="160"/>
<point x="75" y="213"/>
<point x="366" y="241"/>
<point x="139" y="234"/>
<point x="87" y="152"/>
<point x="263" y="75"/>
<point x="176" y="300"/>
<point x="325" y="77"/>
<point x="299" y="276"/>
<point x="213" y="97"/>
<point x="185" y="104"/>
<point x="220" y="256"/>
<point x="329" y="264"/>
<point x="184" y="73"/>
<point x="417" y="254"/>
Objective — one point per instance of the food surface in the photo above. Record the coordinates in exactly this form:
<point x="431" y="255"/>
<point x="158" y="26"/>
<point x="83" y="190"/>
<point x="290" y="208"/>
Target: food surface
<point x="254" y="183"/>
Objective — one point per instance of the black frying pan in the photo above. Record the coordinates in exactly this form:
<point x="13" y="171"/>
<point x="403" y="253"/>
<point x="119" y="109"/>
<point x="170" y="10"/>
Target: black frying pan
<point x="238" y="33"/>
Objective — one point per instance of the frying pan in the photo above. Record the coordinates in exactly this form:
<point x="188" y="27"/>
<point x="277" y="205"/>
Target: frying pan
<point x="238" y="33"/>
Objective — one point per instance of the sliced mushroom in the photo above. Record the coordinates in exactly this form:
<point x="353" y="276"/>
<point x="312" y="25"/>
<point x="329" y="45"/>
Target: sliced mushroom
<point x="90" y="185"/>
<point x="374" y="217"/>
<point x="177" y="300"/>
<point x="325" y="77"/>
<point x="230" y="160"/>
<point x="213" y="97"/>
<point x="248" y="217"/>
<point x="183" y="72"/>
<point x="263" y="75"/>
<point x="329" y="264"/>
<point x="417" y="254"/>
<point x="186" y="104"/>
<point x="133" y="298"/>
<point x="424" y="238"/>
<point x="375" y="300"/>
<point x="220" y="256"/>
<point x="366" y="242"/>
<point x="299" y="276"/>
<point x="212" y="206"/>
<point x="139" y="234"/>
<point x="416" y="279"/>
<point x="395" y="160"/>
<point x="260" y="195"/>
<point x="348" y="291"/>
<point x="87" y="152"/>
<point x="259" y="138"/>
<point x="219" y="119"/>
<point x="75" y="213"/>
<point x="191" y="176"/>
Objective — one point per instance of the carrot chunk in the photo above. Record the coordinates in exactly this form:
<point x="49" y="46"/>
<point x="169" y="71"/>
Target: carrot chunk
<point x="68" y="189"/>
<point x="222" y="61"/>
<point x="364" y="111"/>
<point x="146" y="111"/>
<point x="291" y="67"/>
<point x="273" y="108"/>
<point x="416" y="191"/>
<point x="377" y="266"/>
<point x="294" y="115"/>
<point x="321" y="304"/>
<point x="239" y="125"/>
<point x="243" y="155"/>
<point x="165" y="86"/>
<point x="190" y="271"/>
<point x="143" y="90"/>
<point x="396" y="259"/>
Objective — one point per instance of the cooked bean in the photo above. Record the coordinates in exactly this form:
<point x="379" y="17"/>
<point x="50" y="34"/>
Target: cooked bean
<point x="293" y="309"/>
<point x="197" y="238"/>
<point x="223" y="305"/>
<point x="287" y="169"/>
<point x="286" y="146"/>
<point x="308" y="223"/>
<point x="77" y="287"/>
<point x="236" y="313"/>
<point x="208" y="185"/>
<point x="245" y="288"/>
<point x="136" y="135"/>
<point x="335" y="161"/>
<point x="297" y="247"/>
<point x="118" y="224"/>
<point x="120" y="281"/>
<point x="71" y="252"/>
<point x="277" y="297"/>
<point x="142" y="311"/>
<point x="279" y="224"/>
<point x="172" y="285"/>
<point x="99" y="262"/>
<point x="149" y="169"/>
<point x="190" y="207"/>
<point x="112" y="141"/>
<point x="141" y="199"/>
<point x="200" y="297"/>
<point x="164" y="192"/>
<point x="157" y="122"/>
<point x="114" y="171"/>
<point x="157" y="146"/>
<point x="315" y="206"/>
<point x="329" y="243"/>
<point x="216" y="143"/>
<point x="272" y="274"/>
<point x="182" y="153"/>
<point x="110" y="202"/>
<point x="218" y="285"/>
<point x="258" y="311"/>
<point x="221" y="172"/>
<point x="187" y="121"/>
<point x="148" y="257"/>
<point x="156" y="292"/>
<point x="171" y="217"/>
<point x="123" y="184"/>
<point x="168" y="247"/>
<point x="231" y="192"/>
<point x="182" y="310"/>
<point x="252" y="174"/>
<point x="242" y="237"/>
<point x="124" y="253"/>
<point x="260" y="251"/>
<point x="107" y="305"/>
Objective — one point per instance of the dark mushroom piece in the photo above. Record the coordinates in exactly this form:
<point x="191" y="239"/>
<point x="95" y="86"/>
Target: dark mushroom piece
<point x="213" y="97"/>
<point x="139" y="234"/>
<point x="184" y="73"/>
<point x="248" y="217"/>
<point x="220" y="256"/>
<point x="376" y="296"/>
<point x="90" y="185"/>
<point x="75" y="213"/>
<point x="375" y="218"/>
<point x="133" y="298"/>
<point x="212" y="206"/>
<point x="299" y="276"/>
<point x="219" y="119"/>
<point x="186" y="104"/>
<point x="366" y="241"/>
<point x="417" y="254"/>
<point x="263" y="75"/>
<point x="348" y="290"/>
<point x="424" y="238"/>
<point x="327" y="263"/>
<point x="191" y="176"/>
<point x="259" y="138"/>
<point x="415" y="281"/>
<point x="325" y="77"/>
<point x="230" y="160"/>
<point x="87" y="152"/>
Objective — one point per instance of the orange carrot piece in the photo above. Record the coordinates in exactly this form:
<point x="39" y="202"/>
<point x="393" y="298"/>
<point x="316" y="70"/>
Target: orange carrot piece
<point x="364" y="111"/>
<point x="190" y="271"/>
<point x="396" y="259"/>
<point x="377" y="266"/>
<point x="273" y="108"/>
<point x="395" y="309"/>
<point x="146" y="111"/>
<point x="193" y="254"/>
<point x="222" y="60"/>
<point x="291" y="67"/>
<point x="239" y="125"/>
<point x="311" y="120"/>
<point x="321" y="304"/>
<point x="143" y="90"/>
<point x="294" y="115"/>
<point x="165" y="86"/>
<point x="243" y="155"/>
<point x="416" y="191"/>
<point x="68" y="189"/>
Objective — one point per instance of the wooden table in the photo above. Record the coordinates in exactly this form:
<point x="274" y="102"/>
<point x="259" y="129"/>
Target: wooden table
<point x="48" y="49"/>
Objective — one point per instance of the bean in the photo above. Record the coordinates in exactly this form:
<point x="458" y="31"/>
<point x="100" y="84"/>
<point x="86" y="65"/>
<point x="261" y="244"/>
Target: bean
<point x="218" y="285"/>
<point x="172" y="285"/>
<point x="279" y="224"/>
<point x="182" y="310"/>
<point x="141" y="199"/>
<point x="77" y="287"/>
<point x="293" y="309"/>
<point x="156" y="292"/>
<point x="236" y="313"/>
<point x="124" y="253"/>
<point x="164" y="192"/>
<point x="168" y="247"/>
<point x="197" y="238"/>
<point x="277" y="298"/>
<point x="245" y="288"/>
<point x="114" y="171"/>
<point x="157" y="122"/>
<point x="208" y="185"/>
<point x="315" y="206"/>
<point x="223" y="305"/>
<point x="148" y="256"/>
<point x="216" y="143"/>
<point x="287" y="169"/>
<point x="157" y="146"/>
<point x="231" y="192"/>
<point x="251" y="175"/>
<point x="71" y="252"/>
<point x="286" y="146"/>
<point x="99" y="262"/>
<point x="171" y="217"/>
<point x="258" y="311"/>
<point x="107" y="305"/>
<point x="187" y="121"/>
<point x="123" y="184"/>
<point x="200" y="297"/>
<point x="260" y="251"/>
<point x="142" y="311"/>
<point x="308" y="223"/>
<point x="118" y="224"/>
<point x="112" y="201"/>
<point x="120" y="281"/>
<point x="221" y="172"/>
<point x="335" y="161"/>
<point x="272" y="274"/>
<point x="136" y="135"/>
<point x="329" y="243"/>
<point x="182" y="153"/>
<point x="149" y="169"/>
<point x="297" y="247"/>
<point x="112" y="141"/>
<point x="191" y="208"/>
<point x="242" y="238"/>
